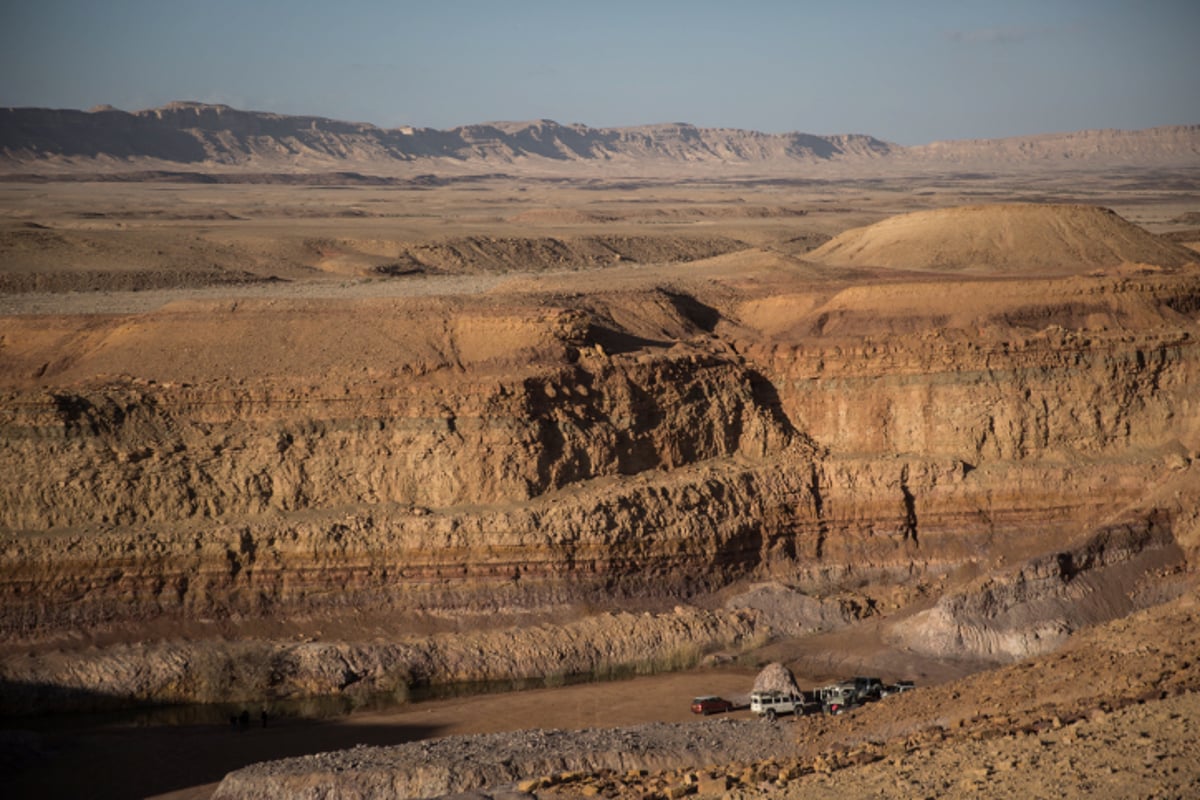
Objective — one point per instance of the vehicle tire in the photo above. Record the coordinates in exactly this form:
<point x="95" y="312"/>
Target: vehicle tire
<point x="770" y="715"/>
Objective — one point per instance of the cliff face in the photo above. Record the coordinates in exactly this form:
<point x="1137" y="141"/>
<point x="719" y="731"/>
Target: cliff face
<point x="148" y="455"/>
<point x="195" y="134"/>
<point x="467" y="479"/>
<point x="1085" y="372"/>
<point x="486" y="482"/>
<point x="1042" y="437"/>
<point x="481" y="456"/>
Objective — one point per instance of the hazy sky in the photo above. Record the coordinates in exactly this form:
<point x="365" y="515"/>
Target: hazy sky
<point x="909" y="72"/>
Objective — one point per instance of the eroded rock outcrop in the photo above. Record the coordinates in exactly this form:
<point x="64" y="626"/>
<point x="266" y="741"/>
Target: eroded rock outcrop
<point x="1031" y="609"/>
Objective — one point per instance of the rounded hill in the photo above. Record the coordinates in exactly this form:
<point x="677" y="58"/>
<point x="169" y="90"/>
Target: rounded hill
<point x="1009" y="238"/>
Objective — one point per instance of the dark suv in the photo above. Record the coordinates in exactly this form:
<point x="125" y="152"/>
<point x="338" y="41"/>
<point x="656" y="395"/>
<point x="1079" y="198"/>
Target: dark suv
<point x="868" y="689"/>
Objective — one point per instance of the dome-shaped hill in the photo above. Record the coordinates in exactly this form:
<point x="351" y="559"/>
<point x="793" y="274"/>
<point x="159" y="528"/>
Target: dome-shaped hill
<point x="1017" y="238"/>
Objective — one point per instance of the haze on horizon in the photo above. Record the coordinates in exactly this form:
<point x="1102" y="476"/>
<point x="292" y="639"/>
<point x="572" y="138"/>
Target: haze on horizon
<point x="905" y="72"/>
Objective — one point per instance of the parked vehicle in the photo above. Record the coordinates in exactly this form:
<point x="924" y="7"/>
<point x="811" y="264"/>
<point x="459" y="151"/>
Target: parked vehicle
<point x="772" y="704"/>
<point x="711" y="704"/>
<point x="899" y="687"/>
<point x="839" y="697"/>
<point x="868" y="689"/>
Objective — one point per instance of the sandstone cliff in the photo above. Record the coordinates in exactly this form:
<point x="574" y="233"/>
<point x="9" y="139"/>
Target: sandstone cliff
<point x="530" y="451"/>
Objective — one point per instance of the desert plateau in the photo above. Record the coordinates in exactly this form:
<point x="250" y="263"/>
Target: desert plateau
<point x="462" y="461"/>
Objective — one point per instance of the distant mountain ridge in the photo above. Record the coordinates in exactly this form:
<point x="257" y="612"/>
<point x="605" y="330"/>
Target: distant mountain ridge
<point x="197" y="135"/>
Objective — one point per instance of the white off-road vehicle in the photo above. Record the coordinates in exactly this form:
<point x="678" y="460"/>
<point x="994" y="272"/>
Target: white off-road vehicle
<point x="772" y="704"/>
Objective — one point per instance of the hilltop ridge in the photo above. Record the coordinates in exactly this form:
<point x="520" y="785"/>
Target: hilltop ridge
<point x="200" y="135"/>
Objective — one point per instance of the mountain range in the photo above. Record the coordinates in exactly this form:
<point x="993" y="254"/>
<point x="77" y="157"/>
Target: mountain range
<point x="197" y="136"/>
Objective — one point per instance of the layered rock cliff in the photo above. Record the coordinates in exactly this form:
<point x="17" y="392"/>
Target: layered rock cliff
<point x="477" y="456"/>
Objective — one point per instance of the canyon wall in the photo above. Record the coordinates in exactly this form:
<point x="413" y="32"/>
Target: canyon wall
<point x="478" y="458"/>
<point x="834" y="458"/>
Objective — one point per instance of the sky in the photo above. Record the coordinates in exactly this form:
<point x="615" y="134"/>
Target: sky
<point x="908" y="72"/>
